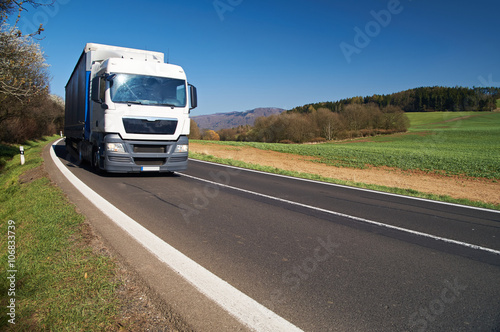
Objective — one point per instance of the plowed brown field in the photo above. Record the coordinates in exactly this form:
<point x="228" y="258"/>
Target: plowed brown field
<point x="484" y="190"/>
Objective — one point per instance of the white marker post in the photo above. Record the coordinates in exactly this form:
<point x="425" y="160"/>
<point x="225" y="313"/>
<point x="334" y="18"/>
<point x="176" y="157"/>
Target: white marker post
<point x="21" y="148"/>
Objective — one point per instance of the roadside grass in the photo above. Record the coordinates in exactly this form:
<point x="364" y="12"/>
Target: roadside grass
<point x="60" y="283"/>
<point x="434" y="144"/>
<point x="6" y="153"/>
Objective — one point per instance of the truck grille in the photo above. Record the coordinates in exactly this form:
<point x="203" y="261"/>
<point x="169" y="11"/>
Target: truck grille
<point x="145" y="126"/>
<point x="150" y="149"/>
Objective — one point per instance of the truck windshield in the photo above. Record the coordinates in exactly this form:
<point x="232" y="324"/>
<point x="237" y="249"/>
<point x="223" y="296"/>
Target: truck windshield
<point x="147" y="90"/>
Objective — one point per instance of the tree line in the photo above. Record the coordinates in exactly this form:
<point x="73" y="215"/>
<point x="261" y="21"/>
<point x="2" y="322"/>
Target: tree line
<point x="423" y="99"/>
<point x="27" y="110"/>
<point x="315" y="125"/>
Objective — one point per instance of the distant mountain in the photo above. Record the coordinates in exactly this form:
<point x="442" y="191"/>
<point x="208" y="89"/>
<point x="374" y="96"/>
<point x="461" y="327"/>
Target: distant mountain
<point x="233" y="119"/>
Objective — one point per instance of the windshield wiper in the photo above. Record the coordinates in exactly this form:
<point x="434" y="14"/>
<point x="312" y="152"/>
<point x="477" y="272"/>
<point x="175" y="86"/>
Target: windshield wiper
<point x="161" y="104"/>
<point x="132" y="102"/>
<point x="135" y="102"/>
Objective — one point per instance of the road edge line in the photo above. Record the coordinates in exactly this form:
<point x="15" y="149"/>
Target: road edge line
<point x="245" y="309"/>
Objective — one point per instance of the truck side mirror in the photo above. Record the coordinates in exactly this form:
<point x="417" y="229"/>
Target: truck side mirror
<point x="96" y="89"/>
<point x="193" y="96"/>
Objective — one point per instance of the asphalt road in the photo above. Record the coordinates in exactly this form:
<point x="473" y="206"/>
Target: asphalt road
<point x="319" y="255"/>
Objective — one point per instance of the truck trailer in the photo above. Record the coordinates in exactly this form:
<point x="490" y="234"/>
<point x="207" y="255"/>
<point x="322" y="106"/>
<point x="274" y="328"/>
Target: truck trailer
<point x="128" y="111"/>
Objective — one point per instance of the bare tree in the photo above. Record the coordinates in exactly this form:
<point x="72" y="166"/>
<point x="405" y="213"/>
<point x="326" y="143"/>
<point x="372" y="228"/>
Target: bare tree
<point x="329" y="123"/>
<point x="27" y="111"/>
<point x="195" y="130"/>
<point x="9" y="7"/>
<point x="23" y="72"/>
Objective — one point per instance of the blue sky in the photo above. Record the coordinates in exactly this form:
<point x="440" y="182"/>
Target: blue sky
<point x="243" y="54"/>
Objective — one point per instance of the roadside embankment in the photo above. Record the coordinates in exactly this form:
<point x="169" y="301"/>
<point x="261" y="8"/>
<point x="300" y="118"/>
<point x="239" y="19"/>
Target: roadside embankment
<point x="56" y="273"/>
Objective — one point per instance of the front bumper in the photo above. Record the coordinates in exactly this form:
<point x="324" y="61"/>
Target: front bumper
<point x="143" y="156"/>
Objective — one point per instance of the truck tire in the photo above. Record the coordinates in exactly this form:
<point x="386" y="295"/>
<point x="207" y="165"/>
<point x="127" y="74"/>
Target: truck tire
<point x="79" y="153"/>
<point x="96" y="161"/>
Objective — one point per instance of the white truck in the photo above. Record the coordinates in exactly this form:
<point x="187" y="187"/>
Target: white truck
<point x="128" y="111"/>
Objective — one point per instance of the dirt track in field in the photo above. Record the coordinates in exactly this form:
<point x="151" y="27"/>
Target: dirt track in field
<point x="474" y="189"/>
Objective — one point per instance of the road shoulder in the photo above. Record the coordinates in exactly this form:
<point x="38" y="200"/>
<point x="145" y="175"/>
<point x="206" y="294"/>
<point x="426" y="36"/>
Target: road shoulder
<point x="177" y="301"/>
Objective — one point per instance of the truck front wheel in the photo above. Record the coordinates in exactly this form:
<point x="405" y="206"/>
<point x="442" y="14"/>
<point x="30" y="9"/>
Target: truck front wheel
<point x="79" y="152"/>
<point x="96" y="158"/>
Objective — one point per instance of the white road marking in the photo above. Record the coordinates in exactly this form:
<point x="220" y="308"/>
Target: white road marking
<point x="372" y="222"/>
<point x="248" y="311"/>
<point x="351" y="188"/>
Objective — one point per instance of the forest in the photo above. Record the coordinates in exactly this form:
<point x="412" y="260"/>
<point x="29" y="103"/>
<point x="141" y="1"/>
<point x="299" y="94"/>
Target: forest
<point x="423" y="99"/>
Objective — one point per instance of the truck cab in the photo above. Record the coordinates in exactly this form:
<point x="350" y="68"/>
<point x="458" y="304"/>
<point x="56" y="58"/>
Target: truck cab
<point x="136" y="113"/>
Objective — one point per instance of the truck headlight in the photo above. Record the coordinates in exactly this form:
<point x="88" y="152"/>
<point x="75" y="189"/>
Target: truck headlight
<point x="115" y="147"/>
<point x="181" y="148"/>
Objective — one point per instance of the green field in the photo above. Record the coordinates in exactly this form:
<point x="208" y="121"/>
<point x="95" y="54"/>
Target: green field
<point x="458" y="143"/>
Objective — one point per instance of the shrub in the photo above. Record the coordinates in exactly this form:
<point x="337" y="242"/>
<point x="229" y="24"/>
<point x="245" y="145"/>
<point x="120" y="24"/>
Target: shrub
<point x="318" y="140"/>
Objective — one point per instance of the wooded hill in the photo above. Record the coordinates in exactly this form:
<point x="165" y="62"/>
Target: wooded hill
<point x="423" y="99"/>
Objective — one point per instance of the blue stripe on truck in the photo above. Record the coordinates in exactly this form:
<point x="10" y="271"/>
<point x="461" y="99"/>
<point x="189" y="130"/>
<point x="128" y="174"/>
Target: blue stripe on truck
<point x="87" y="111"/>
